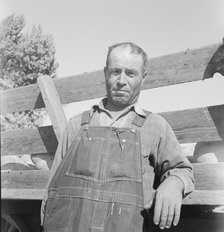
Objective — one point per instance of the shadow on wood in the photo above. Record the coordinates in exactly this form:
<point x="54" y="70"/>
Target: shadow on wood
<point x="217" y="115"/>
<point x="216" y="64"/>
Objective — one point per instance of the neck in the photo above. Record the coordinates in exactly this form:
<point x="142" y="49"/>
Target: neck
<point x="115" y="110"/>
<point x="111" y="107"/>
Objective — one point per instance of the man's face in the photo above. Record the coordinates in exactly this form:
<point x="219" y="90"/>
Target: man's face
<point x="124" y="76"/>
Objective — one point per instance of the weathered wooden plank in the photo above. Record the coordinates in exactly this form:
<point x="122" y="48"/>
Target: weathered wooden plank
<point x="35" y="179"/>
<point x="29" y="141"/>
<point x="200" y="197"/>
<point x="32" y="184"/>
<point x="53" y="104"/>
<point x="200" y="124"/>
<point x="190" y="65"/>
<point x="207" y="177"/>
<point x="23" y="194"/>
<point x="203" y="197"/>
<point x="193" y="125"/>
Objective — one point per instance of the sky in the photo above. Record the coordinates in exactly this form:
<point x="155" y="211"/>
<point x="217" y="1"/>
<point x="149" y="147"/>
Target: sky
<point x="83" y="30"/>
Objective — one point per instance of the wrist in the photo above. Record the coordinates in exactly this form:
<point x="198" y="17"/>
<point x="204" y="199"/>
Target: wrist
<point x="177" y="182"/>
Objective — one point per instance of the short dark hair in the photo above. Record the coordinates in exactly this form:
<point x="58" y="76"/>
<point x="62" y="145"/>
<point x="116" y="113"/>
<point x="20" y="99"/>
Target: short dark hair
<point x="135" y="49"/>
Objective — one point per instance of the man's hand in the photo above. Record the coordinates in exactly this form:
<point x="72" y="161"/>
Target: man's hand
<point x="168" y="200"/>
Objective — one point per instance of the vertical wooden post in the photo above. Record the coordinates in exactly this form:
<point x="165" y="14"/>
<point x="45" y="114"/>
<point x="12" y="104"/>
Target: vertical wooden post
<point x="53" y="104"/>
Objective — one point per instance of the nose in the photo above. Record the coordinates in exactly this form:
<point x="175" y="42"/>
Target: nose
<point x="122" y="79"/>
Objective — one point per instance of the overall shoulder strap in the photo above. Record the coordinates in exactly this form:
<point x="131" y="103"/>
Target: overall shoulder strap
<point x="85" y="118"/>
<point x="139" y="120"/>
<point x="148" y="176"/>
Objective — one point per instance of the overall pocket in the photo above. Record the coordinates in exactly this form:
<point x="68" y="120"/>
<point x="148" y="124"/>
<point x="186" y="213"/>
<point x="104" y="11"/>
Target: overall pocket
<point x="124" y="160"/>
<point x="86" y="156"/>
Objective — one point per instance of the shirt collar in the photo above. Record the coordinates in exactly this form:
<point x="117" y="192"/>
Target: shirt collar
<point x="101" y="107"/>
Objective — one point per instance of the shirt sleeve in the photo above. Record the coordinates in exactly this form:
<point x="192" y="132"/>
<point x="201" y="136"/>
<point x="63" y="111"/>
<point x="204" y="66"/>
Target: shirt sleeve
<point x="171" y="161"/>
<point x="67" y="137"/>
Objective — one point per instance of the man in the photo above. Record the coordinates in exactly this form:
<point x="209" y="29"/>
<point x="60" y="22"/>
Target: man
<point x="102" y="179"/>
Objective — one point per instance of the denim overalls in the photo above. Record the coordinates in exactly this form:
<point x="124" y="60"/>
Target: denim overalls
<point x="98" y="185"/>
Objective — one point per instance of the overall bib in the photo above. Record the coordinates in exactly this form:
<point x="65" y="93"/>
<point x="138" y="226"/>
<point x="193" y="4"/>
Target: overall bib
<point x="98" y="185"/>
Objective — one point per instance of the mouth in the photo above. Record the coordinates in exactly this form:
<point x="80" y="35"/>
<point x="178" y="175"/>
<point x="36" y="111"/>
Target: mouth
<point x="120" y="91"/>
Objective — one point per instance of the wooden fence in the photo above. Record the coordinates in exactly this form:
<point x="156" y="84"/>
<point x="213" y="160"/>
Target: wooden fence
<point x="190" y="125"/>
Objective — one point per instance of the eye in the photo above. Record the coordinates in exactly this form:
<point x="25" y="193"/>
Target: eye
<point x="115" y="72"/>
<point x="130" y="73"/>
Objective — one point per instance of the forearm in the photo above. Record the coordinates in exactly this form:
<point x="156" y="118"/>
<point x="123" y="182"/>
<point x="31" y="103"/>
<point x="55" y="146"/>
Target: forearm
<point x="185" y="175"/>
<point x="172" y="162"/>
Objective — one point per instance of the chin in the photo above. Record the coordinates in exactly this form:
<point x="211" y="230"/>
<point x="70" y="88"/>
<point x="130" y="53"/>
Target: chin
<point x="120" y="102"/>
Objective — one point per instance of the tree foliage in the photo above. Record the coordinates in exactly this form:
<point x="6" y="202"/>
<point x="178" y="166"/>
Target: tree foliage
<point x="23" y="57"/>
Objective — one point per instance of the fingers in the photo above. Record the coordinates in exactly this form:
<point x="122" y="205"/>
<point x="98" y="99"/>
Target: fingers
<point x="168" y="199"/>
<point x="157" y="211"/>
<point x="165" y="213"/>
<point x="161" y="212"/>
<point x="177" y="214"/>
<point x="173" y="215"/>
<point x="170" y="216"/>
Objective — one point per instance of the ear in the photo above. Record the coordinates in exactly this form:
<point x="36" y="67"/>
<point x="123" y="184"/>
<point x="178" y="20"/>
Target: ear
<point x="144" y="76"/>
<point x="105" y="71"/>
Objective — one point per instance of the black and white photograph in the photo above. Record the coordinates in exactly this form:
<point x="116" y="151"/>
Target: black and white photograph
<point x="112" y="115"/>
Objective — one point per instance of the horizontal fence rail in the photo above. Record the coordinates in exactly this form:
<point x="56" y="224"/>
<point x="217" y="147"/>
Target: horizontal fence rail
<point x="193" y="125"/>
<point x="187" y="66"/>
<point x="32" y="184"/>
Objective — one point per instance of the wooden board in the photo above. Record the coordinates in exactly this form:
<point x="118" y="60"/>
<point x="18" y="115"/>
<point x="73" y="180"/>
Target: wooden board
<point x="23" y="194"/>
<point x="190" y="65"/>
<point x="33" y="179"/>
<point x="29" y="141"/>
<point x="194" y="125"/>
<point x="200" y="197"/>
<point x="32" y="184"/>
<point x="53" y="104"/>
<point x="203" y="197"/>
<point x="209" y="176"/>
<point x="200" y="124"/>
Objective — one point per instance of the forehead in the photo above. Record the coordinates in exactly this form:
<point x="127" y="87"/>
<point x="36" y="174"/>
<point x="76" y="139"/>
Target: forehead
<point x="124" y="57"/>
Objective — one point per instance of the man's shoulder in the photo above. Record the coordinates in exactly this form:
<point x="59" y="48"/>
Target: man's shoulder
<point x="156" y="117"/>
<point x="156" y="121"/>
